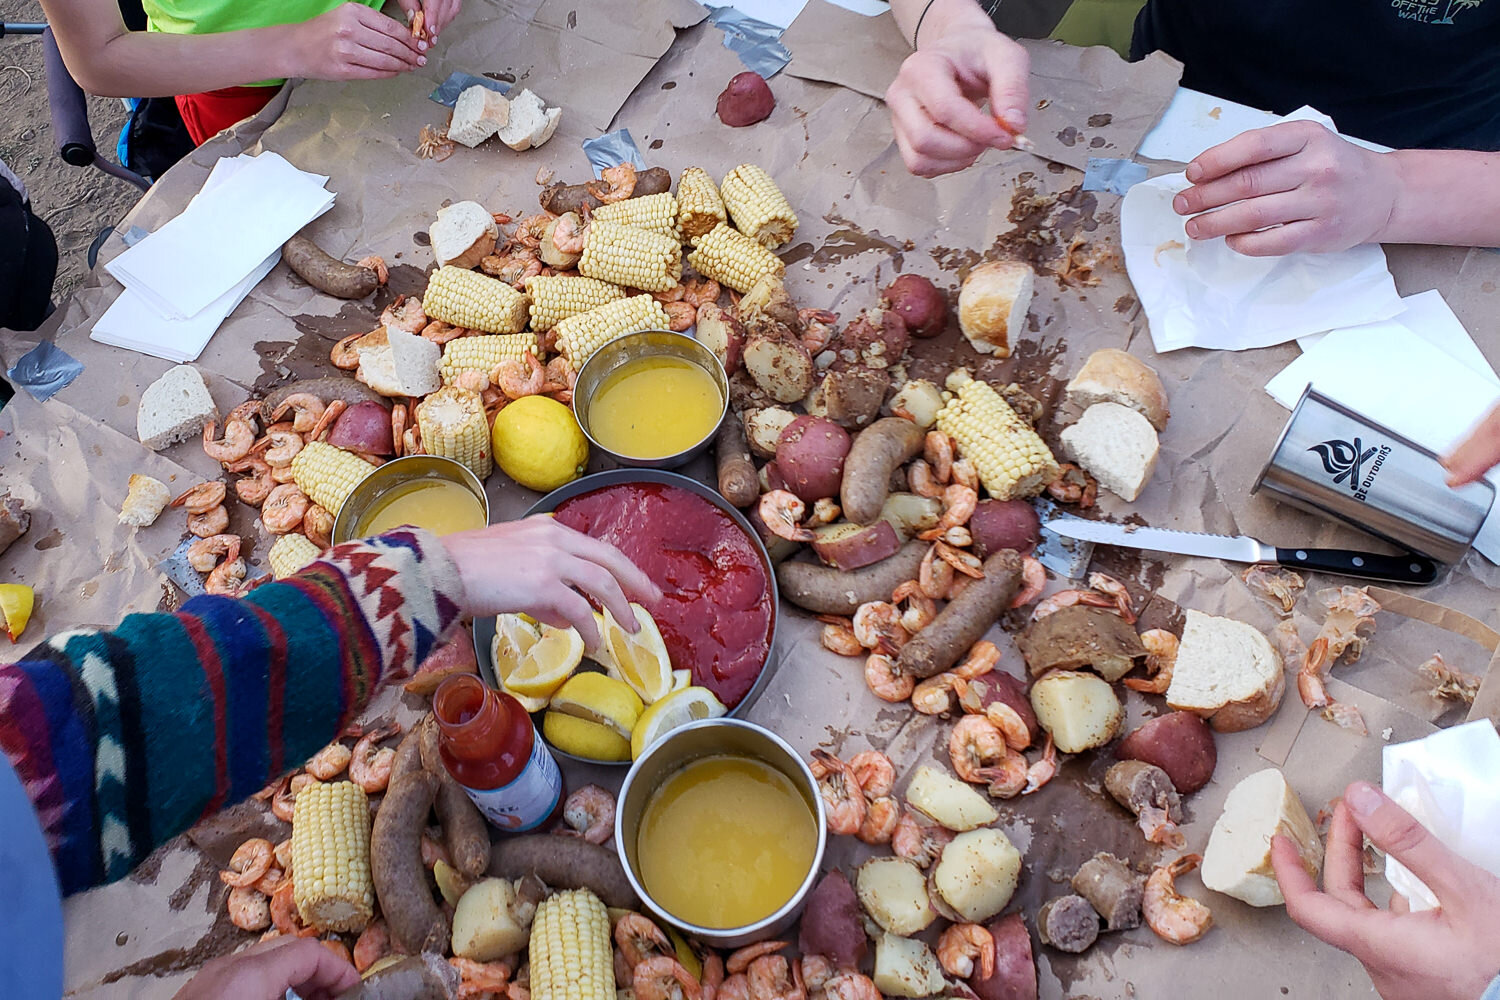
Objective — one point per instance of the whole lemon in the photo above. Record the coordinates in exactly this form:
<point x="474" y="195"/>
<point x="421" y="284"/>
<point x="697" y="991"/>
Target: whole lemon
<point x="539" y="444"/>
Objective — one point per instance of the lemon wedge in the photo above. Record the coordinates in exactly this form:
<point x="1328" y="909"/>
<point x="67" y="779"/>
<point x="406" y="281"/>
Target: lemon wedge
<point x="16" y="602"/>
<point x="528" y="702"/>
<point x="677" y="709"/>
<point x="514" y="637"/>
<point x="549" y="662"/>
<point x="681" y="679"/>
<point x="604" y="657"/>
<point x="641" y="658"/>
<point x="582" y="738"/>
<point x="600" y="699"/>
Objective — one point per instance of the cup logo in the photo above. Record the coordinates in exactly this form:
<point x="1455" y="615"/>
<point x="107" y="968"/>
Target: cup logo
<point x="1342" y="460"/>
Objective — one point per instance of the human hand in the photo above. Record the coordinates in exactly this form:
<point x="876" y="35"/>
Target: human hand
<point x="1477" y="453"/>
<point x="935" y="98"/>
<point x="1292" y="186"/>
<point x="267" y="970"/>
<point x="1450" y="953"/>
<point x="534" y="564"/>
<point x="352" y="42"/>
<point x="439" y="14"/>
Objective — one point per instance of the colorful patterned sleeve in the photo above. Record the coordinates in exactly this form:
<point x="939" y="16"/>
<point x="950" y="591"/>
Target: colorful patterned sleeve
<point x="125" y="738"/>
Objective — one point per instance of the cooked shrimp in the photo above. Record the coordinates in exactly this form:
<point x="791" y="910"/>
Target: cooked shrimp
<point x="1008" y="778"/>
<point x="202" y="498"/>
<point x="1043" y="770"/>
<point x="680" y="316"/>
<point x="249" y="910"/>
<point x="851" y="986"/>
<point x="959" y="503"/>
<point x="771" y="979"/>
<point x="961" y="945"/>
<point x="874" y="772"/>
<point x="934" y="577"/>
<point x="204" y="554"/>
<point x="842" y="799"/>
<point x="1276" y="586"/>
<point x="983" y="656"/>
<point x="590" y="812"/>
<point x="1033" y="581"/>
<point x="735" y="987"/>
<point x="480" y="980"/>
<point x="964" y="473"/>
<point x="284" y="509"/>
<point x="325" y="423"/>
<point x="1000" y="715"/>
<point x="250" y="861"/>
<point x="530" y="230"/>
<point x="285" y="799"/>
<point x="317" y="525"/>
<point x="814" y="971"/>
<point x="818" y="329"/>
<point x="782" y="511"/>
<point x="923" y="483"/>
<point x="308" y="408"/>
<point x="520" y="377"/>
<point x="1174" y="917"/>
<point x="211" y="522"/>
<point x="226" y="577"/>
<point x="239" y="438"/>
<point x="344" y="354"/>
<point x="1068" y="598"/>
<point x="917" y="838"/>
<point x="712" y="976"/>
<point x="919" y="610"/>
<point x="1073" y="485"/>
<point x="278" y="448"/>
<point x="329" y="762"/>
<point x="975" y="744"/>
<point x="885" y="681"/>
<point x="739" y="961"/>
<point x="284" y="913"/>
<point x="877" y="626"/>
<point x="369" y="764"/>
<point x="966" y="563"/>
<point x="934" y="695"/>
<point x="441" y="333"/>
<point x="560" y="375"/>
<point x="1112" y="588"/>
<point x="1161" y="657"/>
<point x="662" y="977"/>
<point x="282" y="852"/>
<point x="838" y="636"/>
<point x="638" y="939"/>
<point x="937" y="452"/>
<point x="700" y="291"/>
<point x="570" y="234"/>
<point x="614" y="184"/>
<point x="404" y="314"/>
<point x="881" y="814"/>
<point x="254" y="488"/>
<point x="1310" y="676"/>
<point x="825" y="510"/>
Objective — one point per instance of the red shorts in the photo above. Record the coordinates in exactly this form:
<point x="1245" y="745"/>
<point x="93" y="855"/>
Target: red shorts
<point x="210" y="113"/>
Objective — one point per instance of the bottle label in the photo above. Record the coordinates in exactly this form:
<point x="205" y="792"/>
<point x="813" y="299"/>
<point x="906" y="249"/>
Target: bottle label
<point x="526" y="802"/>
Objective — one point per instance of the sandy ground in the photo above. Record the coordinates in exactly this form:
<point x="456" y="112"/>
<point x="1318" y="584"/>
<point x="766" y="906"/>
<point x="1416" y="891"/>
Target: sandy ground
<point x="76" y="202"/>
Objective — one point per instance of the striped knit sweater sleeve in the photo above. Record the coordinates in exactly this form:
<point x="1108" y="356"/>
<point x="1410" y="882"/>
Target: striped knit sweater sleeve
<point x="125" y="738"/>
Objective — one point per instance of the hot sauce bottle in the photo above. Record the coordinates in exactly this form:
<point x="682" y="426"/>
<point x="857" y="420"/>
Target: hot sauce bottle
<point x="490" y="747"/>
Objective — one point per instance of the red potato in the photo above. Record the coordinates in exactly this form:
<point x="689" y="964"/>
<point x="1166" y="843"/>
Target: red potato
<point x="810" y="454"/>
<point x="770" y="478"/>
<point x="1007" y="689"/>
<point x="747" y="100"/>
<point x="1005" y="524"/>
<point x="920" y="305"/>
<point x="363" y="427"/>
<point x="1181" y="744"/>
<point x="852" y="546"/>
<point x="1014" y="977"/>
<point x="876" y="339"/>
<point x="722" y="334"/>
<point x="832" y="924"/>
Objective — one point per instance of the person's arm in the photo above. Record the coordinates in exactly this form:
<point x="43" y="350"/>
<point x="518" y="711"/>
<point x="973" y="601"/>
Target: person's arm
<point x="350" y="42"/>
<point x="125" y="738"/>
<point x="1299" y="186"/>
<point x="960" y="62"/>
<point x="1450" y="953"/>
<point x="266" y="971"/>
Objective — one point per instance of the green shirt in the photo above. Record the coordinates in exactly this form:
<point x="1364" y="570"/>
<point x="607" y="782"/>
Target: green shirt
<point x="207" y="17"/>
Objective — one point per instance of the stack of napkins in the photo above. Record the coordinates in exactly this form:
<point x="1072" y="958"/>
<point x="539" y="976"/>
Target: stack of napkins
<point x="185" y="278"/>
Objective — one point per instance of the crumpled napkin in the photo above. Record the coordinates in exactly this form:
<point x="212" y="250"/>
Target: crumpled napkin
<point x="1447" y="781"/>
<point x="1200" y="293"/>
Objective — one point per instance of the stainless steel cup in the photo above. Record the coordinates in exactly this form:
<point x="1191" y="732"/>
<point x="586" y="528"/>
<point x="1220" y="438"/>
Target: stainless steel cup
<point x="1334" y="461"/>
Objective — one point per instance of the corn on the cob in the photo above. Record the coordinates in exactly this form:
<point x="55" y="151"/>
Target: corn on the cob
<point x="453" y="426"/>
<point x="328" y="474"/>
<point x="290" y="552"/>
<point x="331" y="857"/>
<point x="482" y="354"/>
<point x="554" y="299"/>
<point x="473" y="300"/>
<point x="757" y="206"/>
<point x="734" y="259"/>
<point x="699" y="205"/>
<point x="570" y="950"/>
<point x="580" y="336"/>
<point x="655" y="213"/>
<point x="1011" y="459"/>
<point x="624" y="255"/>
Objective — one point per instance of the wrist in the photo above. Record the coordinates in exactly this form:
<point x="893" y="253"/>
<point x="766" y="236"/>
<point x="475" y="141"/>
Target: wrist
<point x="1401" y="203"/>
<point x="283" y="48"/>
<point x="943" y="17"/>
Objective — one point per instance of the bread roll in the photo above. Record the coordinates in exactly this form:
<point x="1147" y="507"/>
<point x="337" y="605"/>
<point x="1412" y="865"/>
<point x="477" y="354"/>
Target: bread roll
<point x="462" y="234"/>
<point x="1237" y="861"/>
<point x="478" y="114"/>
<point x="992" y="305"/>
<point x="1227" y="672"/>
<point x="1116" y="445"/>
<point x="1112" y="376"/>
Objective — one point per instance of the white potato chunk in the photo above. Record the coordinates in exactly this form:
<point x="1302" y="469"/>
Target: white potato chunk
<point x="921" y="399"/>
<point x="1080" y="710"/>
<point x="949" y="801"/>
<point x="894" y="892"/>
<point x="978" y="873"/>
<point x="483" y="927"/>
<point x="906" y="968"/>
<point x="449" y="882"/>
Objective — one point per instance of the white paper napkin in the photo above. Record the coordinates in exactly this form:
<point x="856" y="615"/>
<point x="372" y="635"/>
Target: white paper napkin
<point x="1194" y="121"/>
<point x="1200" y="293"/>
<point x="1447" y="781"/>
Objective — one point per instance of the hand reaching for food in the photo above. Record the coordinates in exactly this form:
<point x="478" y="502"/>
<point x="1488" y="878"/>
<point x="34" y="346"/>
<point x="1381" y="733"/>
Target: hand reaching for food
<point x="431" y="17"/>
<point x="267" y="970"/>
<point x="1293" y="186"/>
<point x="1477" y="453"/>
<point x="352" y="42"/>
<point x="1451" y="953"/>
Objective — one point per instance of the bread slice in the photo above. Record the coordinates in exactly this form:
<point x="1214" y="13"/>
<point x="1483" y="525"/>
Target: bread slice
<point x="528" y="116"/>
<point x="1116" y="445"/>
<point x="478" y="114"/>
<point x="1227" y="672"/>
<point x="463" y="234"/>
<point x="174" y="408"/>
<point x="1237" y="861"/>
<point x="992" y="305"/>
<point x="550" y="121"/>
<point x="1112" y="376"/>
<point x="416" y="360"/>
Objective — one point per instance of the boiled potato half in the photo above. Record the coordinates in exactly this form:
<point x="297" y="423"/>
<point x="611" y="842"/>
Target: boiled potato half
<point x="952" y="803"/>
<point x="906" y="968"/>
<point x="978" y="873"/>
<point x="483" y="927"/>
<point x="893" y="891"/>
<point x="1080" y="710"/>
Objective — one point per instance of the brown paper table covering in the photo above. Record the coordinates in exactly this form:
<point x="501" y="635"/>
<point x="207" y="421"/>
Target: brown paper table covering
<point x="864" y="219"/>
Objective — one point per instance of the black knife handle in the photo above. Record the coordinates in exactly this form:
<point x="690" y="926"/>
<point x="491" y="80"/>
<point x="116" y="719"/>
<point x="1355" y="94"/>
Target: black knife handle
<point x="1367" y="565"/>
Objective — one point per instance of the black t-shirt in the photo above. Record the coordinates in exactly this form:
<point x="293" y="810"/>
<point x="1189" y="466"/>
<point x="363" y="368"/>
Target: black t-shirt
<point x="1406" y="73"/>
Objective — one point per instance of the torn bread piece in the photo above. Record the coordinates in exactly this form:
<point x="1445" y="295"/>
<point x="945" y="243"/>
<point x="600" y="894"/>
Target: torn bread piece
<point x="528" y="117"/>
<point x="478" y="114"/>
<point x="174" y="408"/>
<point x="1112" y="376"/>
<point x="463" y="234"/>
<point x="1227" y="672"/>
<point x="1237" y="861"/>
<point x="1116" y="445"/>
<point x="144" y="502"/>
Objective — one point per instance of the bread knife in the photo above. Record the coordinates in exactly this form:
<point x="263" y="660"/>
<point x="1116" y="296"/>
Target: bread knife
<point x="1404" y="568"/>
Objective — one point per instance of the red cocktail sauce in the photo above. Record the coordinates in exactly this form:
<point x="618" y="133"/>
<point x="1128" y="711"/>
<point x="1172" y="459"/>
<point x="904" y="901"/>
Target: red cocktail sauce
<point x="490" y="747"/>
<point x="715" y="613"/>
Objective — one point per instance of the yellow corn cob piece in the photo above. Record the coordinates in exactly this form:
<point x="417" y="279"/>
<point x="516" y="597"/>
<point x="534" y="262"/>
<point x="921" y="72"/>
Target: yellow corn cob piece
<point x="731" y="258"/>
<point x="757" y="206"/>
<point x="699" y="205"/>
<point x="453" y="426"/>
<point x="554" y="299"/>
<point x="635" y="258"/>
<point x="475" y="301"/>
<point x="482" y="354"/>
<point x="655" y="213"/>
<point x="331" y="857"/>
<point x="291" y="552"/>
<point x="328" y="474"/>
<point x="580" y="336"/>
<point x="1011" y="459"/>
<point x="570" y="950"/>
